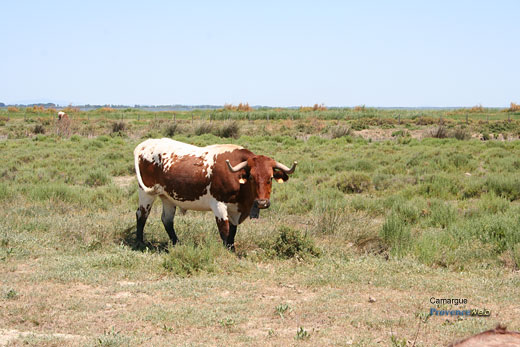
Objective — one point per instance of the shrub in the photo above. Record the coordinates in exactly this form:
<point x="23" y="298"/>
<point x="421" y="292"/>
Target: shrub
<point x="39" y="129"/>
<point x="97" y="178"/>
<point x="396" y="234"/>
<point x="318" y="107"/>
<point x="401" y="133"/>
<point x="514" y="107"/>
<point x="339" y="131"/>
<point x="461" y="134"/>
<point x="442" y="214"/>
<point x="187" y="260"/>
<point x="171" y="130"/>
<point x="240" y="107"/>
<point x="505" y="186"/>
<point x="440" y="132"/>
<point x="203" y="128"/>
<point x="106" y="109"/>
<point x="290" y="243"/>
<point x="118" y="127"/>
<point x="476" y="109"/>
<point x="229" y="130"/>
<point x="353" y="182"/>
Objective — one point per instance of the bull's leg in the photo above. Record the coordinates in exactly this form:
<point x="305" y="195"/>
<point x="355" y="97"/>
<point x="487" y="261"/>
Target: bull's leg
<point x="225" y="228"/>
<point x="167" y="217"/>
<point x="142" y="213"/>
<point x="230" y="243"/>
<point x="221" y="215"/>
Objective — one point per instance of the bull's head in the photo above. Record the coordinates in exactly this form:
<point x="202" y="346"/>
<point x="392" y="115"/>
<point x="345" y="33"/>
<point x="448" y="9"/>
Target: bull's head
<point x="260" y="171"/>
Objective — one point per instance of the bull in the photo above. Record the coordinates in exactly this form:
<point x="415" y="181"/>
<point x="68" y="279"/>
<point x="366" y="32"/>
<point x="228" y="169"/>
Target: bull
<point x="225" y="179"/>
<point x="62" y="116"/>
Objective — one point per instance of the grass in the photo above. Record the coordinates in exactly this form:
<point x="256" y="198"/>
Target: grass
<point x="399" y="221"/>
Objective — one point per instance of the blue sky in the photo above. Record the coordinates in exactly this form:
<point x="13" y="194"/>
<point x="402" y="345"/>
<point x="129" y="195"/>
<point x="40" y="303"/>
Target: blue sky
<point x="277" y="53"/>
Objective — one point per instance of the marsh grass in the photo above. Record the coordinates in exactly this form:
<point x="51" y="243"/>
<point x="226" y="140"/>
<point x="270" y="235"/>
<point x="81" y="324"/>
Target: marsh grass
<point x="401" y="221"/>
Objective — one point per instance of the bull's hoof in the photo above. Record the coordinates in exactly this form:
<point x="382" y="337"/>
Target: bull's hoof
<point x="231" y="247"/>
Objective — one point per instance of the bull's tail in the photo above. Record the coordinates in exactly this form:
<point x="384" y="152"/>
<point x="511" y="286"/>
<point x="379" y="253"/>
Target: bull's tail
<point x="152" y="190"/>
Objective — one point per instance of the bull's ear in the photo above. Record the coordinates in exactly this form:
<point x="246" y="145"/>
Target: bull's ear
<point x="280" y="176"/>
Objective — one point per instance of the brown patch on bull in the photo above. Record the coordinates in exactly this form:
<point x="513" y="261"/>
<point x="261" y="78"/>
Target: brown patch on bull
<point x="184" y="180"/>
<point x="494" y="337"/>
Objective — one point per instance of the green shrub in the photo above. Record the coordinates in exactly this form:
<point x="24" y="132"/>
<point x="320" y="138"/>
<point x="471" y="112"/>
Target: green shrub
<point x="290" y="243"/>
<point x="118" y="127"/>
<point x="4" y="191"/>
<point x="396" y="234"/>
<point x="97" y="178"/>
<point x="204" y="128"/>
<point x="401" y="133"/>
<point x="407" y="211"/>
<point x="491" y="203"/>
<point x="441" y="214"/>
<point x="461" y="133"/>
<point x="229" y="130"/>
<point x="437" y="186"/>
<point x="340" y="131"/>
<point x="505" y="186"/>
<point x="440" y="132"/>
<point x="171" y="130"/>
<point x="353" y="182"/>
<point x="39" y="129"/>
<point x="500" y="231"/>
<point x="188" y="259"/>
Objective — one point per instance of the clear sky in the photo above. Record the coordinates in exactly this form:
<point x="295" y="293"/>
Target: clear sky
<point x="275" y="53"/>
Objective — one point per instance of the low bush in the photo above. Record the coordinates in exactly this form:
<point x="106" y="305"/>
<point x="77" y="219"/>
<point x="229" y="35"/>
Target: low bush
<point x="118" y="127"/>
<point x="290" y="243"/>
<point x="203" y="128"/>
<point x="39" y="129"/>
<point x="353" y="182"/>
<point x="339" y="131"/>
<point x="396" y="235"/>
<point x="440" y="132"/>
<point x="171" y="130"/>
<point x="97" y="178"/>
<point x="188" y="259"/>
<point x="229" y="130"/>
<point x="461" y="134"/>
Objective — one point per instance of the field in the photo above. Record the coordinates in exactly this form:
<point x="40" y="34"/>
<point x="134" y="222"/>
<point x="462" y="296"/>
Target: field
<point x="386" y="209"/>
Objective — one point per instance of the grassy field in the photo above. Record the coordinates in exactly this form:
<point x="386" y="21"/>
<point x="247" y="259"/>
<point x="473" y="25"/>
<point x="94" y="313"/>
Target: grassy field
<point x="382" y="214"/>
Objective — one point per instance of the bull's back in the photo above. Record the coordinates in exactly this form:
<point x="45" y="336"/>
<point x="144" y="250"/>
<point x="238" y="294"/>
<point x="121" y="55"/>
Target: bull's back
<point x="181" y="171"/>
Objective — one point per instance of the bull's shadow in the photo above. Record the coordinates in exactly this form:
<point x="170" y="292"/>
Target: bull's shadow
<point x="128" y="238"/>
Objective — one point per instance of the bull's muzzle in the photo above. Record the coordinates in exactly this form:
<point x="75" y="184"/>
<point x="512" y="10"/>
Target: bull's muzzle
<point x="263" y="203"/>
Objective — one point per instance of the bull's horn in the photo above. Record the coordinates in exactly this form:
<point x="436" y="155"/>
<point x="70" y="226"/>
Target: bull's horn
<point x="285" y="168"/>
<point x="238" y="167"/>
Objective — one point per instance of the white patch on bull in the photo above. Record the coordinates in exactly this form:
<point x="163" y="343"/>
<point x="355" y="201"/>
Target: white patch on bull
<point x="210" y="154"/>
<point x="162" y="152"/>
<point x="219" y="209"/>
<point x="233" y="214"/>
<point x="145" y="202"/>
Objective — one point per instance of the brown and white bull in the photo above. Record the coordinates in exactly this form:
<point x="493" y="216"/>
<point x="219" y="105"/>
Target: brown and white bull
<point x="63" y="116"/>
<point x="225" y="179"/>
